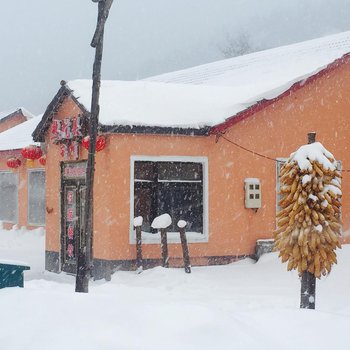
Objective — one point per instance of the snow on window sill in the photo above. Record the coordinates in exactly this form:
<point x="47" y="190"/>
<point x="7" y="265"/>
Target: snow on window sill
<point x="36" y="224"/>
<point x="173" y="237"/>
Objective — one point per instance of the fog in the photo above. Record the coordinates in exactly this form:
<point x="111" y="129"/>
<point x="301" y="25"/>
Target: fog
<point x="45" y="41"/>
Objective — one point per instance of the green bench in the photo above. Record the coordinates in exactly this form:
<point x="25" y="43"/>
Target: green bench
<point x="11" y="274"/>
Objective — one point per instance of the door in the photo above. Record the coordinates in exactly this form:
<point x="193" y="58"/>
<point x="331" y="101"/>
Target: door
<point x="72" y="220"/>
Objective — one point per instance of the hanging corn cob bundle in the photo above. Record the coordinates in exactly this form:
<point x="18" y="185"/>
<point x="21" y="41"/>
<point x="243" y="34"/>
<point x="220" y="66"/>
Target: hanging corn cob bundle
<point x="308" y="224"/>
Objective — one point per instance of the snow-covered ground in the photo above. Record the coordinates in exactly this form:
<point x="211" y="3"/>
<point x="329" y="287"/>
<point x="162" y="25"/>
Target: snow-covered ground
<point x="238" y="306"/>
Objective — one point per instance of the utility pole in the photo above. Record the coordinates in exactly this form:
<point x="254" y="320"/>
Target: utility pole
<point x="308" y="279"/>
<point x="84" y="264"/>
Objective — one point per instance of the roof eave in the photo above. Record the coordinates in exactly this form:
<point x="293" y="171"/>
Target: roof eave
<point x="158" y="130"/>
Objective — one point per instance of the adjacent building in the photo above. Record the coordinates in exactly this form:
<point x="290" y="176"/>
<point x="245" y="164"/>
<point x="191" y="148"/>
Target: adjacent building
<point x="22" y="184"/>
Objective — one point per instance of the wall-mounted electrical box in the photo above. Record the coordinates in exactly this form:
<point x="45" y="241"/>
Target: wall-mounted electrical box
<point x="252" y="188"/>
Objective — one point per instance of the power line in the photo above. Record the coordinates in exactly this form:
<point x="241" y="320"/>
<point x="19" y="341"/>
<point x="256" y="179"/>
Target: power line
<point x="250" y="151"/>
<point x="262" y="155"/>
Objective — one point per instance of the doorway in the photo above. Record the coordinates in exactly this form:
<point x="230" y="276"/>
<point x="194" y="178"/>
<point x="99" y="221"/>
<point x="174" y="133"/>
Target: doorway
<point x="73" y="192"/>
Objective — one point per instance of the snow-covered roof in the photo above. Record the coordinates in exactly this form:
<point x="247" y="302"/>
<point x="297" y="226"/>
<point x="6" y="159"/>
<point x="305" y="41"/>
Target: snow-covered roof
<point x="19" y="136"/>
<point x="264" y="71"/>
<point x="209" y="94"/>
<point x="158" y="104"/>
<point x="22" y="110"/>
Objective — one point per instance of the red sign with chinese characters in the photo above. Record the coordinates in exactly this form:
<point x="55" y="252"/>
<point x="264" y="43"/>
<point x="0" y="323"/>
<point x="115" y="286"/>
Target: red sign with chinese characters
<point x="70" y="232"/>
<point x="67" y="129"/>
<point x="74" y="170"/>
<point x="70" y="214"/>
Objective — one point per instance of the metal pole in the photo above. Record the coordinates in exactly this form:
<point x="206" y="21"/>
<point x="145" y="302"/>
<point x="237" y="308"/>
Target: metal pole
<point x="84" y="264"/>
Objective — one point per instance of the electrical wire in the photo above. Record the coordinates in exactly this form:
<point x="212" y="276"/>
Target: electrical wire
<point x="261" y="155"/>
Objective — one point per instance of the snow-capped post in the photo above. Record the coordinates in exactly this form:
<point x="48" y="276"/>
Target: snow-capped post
<point x="161" y="223"/>
<point x="308" y="279"/>
<point x="137" y="226"/>
<point x="84" y="263"/>
<point x="308" y="224"/>
<point x="182" y="228"/>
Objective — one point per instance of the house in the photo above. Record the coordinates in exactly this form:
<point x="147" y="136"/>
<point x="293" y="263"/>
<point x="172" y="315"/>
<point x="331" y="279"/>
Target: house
<point x="201" y="144"/>
<point x="22" y="185"/>
<point x="10" y="118"/>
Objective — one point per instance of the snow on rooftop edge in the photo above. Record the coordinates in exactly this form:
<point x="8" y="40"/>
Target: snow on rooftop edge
<point x="20" y="135"/>
<point x="24" y="111"/>
<point x="159" y="104"/>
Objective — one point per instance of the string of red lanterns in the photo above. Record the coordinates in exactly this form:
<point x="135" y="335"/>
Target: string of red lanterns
<point x="13" y="163"/>
<point x="100" y="142"/>
<point x="31" y="152"/>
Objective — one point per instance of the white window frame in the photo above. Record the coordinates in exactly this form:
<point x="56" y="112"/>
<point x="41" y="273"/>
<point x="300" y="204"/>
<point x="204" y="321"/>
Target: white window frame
<point x="17" y="183"/>
<point x="278" y="184"/>
<point x="173" y="237"/>
<point x="28" y="190"/>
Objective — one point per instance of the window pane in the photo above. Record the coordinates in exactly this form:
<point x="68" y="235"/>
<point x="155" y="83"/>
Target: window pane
<point x="179" y="171"/>
<point x="143" y="204"/>
<point x="8" y="191"/>
<point x="182" y="201"/>
<point x="36" y="197"/>
<point x="144" y="171"/>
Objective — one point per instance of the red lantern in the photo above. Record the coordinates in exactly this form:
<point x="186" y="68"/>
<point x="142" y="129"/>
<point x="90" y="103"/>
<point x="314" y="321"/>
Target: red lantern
<point x="42" y="160"/>
<point x="86" y="142"/>
<point x="13" y="163"/>
<point x="31" y="152"/>
<point x="100" y="142"/>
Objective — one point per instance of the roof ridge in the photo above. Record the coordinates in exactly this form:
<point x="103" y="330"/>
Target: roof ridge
<point x="236" y="62"/>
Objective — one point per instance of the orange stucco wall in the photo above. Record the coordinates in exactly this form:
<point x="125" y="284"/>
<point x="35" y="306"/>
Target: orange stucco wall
<point x="278" y="130"/>
<point x="22" y="173"/>
<point x="8" y="123"/>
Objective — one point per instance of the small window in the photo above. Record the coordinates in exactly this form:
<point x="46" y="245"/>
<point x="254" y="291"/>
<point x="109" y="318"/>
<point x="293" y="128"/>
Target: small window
<point x="251" y="187"/>
<point x="36" y="197"/>
<point x="251" y="196"/>
<point x="257" y="196"/>
<point x="257" y="187"/>
<point x="9" y="197"/>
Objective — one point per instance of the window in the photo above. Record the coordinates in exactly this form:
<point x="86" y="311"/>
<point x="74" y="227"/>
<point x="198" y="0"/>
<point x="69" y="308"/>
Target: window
<point x="9" y="196"/>
<point x="36" y="197"/>
<point x="279" y="164"/>
<point x="174" y="185"/>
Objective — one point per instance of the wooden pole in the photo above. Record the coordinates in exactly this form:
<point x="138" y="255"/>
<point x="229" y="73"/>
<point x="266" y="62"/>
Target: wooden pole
<point x="308" y="280"/>
<point x="308" y="290"/>
<point x="164" y="247"/>
<point x="138" y="248"/>
<point x="84" y="263"/>
<point x="184" y="245"/>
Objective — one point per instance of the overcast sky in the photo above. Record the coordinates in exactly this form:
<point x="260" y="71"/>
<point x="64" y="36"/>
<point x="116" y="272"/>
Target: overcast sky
<point x="45" y="41"/>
